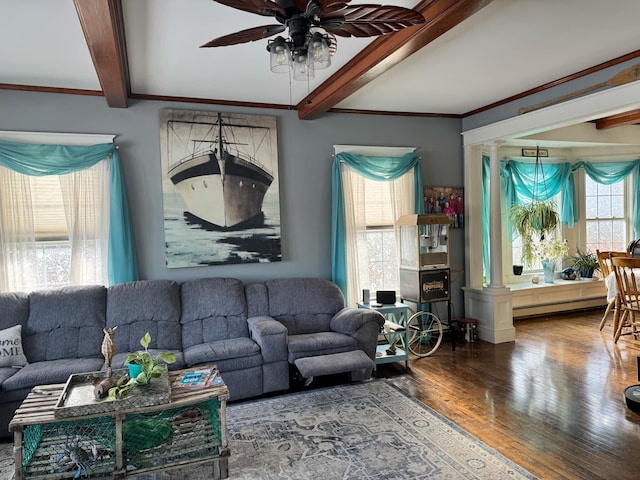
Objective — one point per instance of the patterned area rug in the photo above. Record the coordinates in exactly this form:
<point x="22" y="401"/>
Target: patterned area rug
<point x="367" y="431"/>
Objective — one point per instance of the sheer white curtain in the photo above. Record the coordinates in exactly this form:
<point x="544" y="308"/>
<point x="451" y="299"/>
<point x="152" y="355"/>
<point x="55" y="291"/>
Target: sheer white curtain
<point x="86" y="203"/>
<point x="17" y="237"/>
<point x="86" y="209"/>
<point x="357" y="251"/>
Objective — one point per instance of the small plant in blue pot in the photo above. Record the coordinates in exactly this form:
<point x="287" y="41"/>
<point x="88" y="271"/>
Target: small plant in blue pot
<point x="142" y="368"/>
<point x="145" y="366"/>
<point x="585" y="263"/>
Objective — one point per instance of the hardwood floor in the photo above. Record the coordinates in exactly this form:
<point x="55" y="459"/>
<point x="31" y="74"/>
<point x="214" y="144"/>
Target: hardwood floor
<point x="551" y="401"/>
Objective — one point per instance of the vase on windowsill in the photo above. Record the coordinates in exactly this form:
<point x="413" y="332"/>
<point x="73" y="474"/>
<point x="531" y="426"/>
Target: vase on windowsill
<point x="549" y="270"/>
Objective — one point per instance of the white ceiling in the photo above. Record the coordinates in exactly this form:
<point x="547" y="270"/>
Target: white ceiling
<point x="508" y="47"/>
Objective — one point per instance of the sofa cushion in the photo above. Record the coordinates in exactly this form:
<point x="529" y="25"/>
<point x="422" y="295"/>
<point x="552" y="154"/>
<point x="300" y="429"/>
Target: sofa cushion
<point x="52" y="371"/>
<point x="6" y="372"/>
<point x="11" y="352"/>
<point x="232" y="354"/>
<point x="257" y="300"/>
<point x="321" y="343"/>
<point x="304" y="305"/>
<point x="145" y="306"/>
<point x="14" y="309"/>
<point x="65" y="322"/>
<point x="213" y="309"/>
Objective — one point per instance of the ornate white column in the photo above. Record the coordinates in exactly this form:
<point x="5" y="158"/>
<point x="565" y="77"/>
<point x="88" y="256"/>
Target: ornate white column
<point x="490" y="305"/>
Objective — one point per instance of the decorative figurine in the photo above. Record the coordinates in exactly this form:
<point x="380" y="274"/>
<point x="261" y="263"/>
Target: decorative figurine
<point x="108" y="348"/>
<point x="101" y="387"/>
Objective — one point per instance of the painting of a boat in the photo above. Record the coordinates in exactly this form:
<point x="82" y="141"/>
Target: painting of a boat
<point x="220" y="188"/>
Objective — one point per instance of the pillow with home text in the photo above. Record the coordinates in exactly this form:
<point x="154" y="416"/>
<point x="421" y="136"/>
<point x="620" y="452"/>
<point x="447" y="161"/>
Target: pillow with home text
<point x="11" y="354"/>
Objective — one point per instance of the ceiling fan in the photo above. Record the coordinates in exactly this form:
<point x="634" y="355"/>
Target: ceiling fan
<point x="312" y="26"/>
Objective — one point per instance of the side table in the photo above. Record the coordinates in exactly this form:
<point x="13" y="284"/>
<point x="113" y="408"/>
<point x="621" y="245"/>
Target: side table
<point x="188" y="431"/>
<point x="396" y="334"/>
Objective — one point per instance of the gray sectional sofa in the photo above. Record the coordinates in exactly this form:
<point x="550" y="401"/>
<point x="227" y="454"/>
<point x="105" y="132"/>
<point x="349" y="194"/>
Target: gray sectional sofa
<point x="253" y="332"/>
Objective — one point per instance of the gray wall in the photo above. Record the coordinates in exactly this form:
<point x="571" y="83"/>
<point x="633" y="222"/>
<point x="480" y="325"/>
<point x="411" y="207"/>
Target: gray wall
<point x="305" y="157"/>
<point x="510" y="109"/>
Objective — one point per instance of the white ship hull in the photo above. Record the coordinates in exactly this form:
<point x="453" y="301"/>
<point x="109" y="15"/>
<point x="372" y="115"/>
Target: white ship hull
<point x="229" y="200"/>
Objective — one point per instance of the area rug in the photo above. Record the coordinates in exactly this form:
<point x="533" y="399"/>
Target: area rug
<point x="363" y="431"/>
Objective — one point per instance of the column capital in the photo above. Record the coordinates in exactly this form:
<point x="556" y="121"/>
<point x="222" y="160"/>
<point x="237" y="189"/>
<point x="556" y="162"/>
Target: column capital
<point x="495" y="145"/>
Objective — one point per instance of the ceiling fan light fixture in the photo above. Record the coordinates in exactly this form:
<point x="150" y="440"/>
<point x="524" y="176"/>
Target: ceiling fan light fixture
<point x="311" y="27"/>
<point x="280" y="55"/>
<point x="318" y="51"/>
<point x="302" y="68"/>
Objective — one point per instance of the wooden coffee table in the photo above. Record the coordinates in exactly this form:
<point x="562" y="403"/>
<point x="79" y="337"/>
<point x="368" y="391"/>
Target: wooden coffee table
<point x="188" y="431"/>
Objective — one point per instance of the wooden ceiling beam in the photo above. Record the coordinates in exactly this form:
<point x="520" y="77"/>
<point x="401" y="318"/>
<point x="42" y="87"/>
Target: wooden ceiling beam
<point x="627" y="118"/>
<point x="387" y="51"/>
<point x="103" y="26"/>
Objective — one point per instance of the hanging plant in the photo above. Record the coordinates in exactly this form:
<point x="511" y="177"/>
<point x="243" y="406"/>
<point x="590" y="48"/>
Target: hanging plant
<point x="533" y="222"/>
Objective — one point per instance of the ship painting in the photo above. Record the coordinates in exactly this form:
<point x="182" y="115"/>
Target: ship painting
<point x="221" y="189"/>
<point x="220" y="177"/>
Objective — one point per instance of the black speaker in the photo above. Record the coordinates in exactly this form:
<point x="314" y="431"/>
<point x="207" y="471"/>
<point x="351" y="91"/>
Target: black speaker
<point x="366" y="296"/>
<point x="387" y="297"/>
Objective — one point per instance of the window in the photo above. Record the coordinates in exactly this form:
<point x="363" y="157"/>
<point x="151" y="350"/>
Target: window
<point x="53" y="228"/>
<point x="604" y="216"/>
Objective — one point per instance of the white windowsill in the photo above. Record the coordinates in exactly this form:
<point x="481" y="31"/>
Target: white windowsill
<point x="563" y="295"/>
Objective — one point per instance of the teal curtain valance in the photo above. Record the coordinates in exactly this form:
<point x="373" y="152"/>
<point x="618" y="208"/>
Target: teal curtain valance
<point x="39" y="160"/>
<point x="374" y="168"/>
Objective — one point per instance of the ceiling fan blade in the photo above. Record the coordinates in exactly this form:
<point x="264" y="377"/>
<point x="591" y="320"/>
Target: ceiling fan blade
<point x="369" y="20"/>
<point x="244" y="36"/>
<point x="259" y="7"/>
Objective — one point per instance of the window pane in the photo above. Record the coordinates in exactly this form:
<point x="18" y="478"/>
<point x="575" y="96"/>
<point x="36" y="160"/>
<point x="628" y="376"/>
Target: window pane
<point x="617" y="206"/>
<point x="601" y="189"/>
<point x="374" y="241"/>
<point x="591" y="206"/>
<point x="605" y="223"/>
<point x="383" y="265"/>
<point x="604" y="207"/>
<point x="617" y="188"/>
<point x="618" y="236"/>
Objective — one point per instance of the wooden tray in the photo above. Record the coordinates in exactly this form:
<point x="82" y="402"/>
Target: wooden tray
<point x="77" y="398"/>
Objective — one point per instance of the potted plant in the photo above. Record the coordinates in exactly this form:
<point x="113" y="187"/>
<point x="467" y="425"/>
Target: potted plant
<point x="585" y="262"/>
<point x="142" y="368"/>
<point x="534" y="222"/>
<point x="550" y="250"/>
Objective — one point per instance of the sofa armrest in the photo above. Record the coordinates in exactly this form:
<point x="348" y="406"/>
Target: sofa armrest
<point x="363" y="325"/>
<point x="350" y="320"/>
<point x="271" y="337"/>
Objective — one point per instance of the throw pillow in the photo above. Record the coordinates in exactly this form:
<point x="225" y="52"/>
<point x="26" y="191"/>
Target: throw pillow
<point x="11" y="353"/>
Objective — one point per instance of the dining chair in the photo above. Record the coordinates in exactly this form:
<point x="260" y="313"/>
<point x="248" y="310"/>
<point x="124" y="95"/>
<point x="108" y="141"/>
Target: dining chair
<point x="606" y="267"/>
<point x="627" y="273"/>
